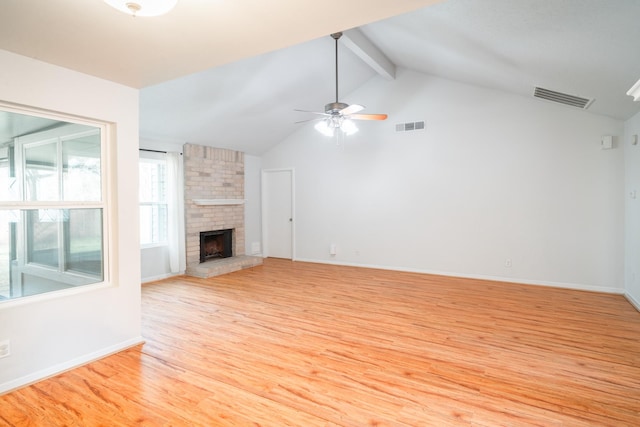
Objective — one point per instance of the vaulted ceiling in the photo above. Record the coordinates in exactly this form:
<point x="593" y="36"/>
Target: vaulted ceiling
<point x="92" y="37"/>
<point x="231" y="74"/>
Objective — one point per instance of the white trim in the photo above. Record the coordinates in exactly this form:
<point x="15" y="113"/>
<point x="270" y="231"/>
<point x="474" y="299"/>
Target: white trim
<point x="61" y="293"/>
<point x="217" y="202"/>
<point x="68" y="365"/>
<point x="74" y="127"/>
<point x="563" y="285"/>
<point x="49" y="114"/>
<point x="162" y="276"/>
<point x="263" y="220"/>
<point x="293" y="215"/>
<point x="635" y="303"/>
<point x="16" y="204"/>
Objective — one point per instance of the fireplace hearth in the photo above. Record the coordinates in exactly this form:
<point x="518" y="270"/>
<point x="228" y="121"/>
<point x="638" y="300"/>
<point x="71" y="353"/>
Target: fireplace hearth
<point x="216" y="244"/>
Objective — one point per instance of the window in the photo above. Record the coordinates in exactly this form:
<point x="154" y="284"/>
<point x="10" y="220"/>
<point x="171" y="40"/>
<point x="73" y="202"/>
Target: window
<point x="52" y="208"/>
<point x="153" y="199"/>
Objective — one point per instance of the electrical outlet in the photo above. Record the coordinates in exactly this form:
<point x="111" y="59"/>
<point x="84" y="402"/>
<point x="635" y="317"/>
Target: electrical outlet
<point x="5" y="349"/>
<point x="507" y="262"/>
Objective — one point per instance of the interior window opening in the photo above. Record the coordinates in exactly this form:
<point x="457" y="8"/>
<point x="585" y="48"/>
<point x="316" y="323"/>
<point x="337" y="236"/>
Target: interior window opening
<point x="52" y="205"/>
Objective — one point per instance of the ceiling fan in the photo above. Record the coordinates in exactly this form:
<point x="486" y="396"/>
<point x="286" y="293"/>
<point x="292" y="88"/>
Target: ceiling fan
<point x="338" y="115"/>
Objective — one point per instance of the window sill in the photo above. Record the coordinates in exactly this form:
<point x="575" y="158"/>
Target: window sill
<point x="154" y="245"/>
<point x="218" y="202"/>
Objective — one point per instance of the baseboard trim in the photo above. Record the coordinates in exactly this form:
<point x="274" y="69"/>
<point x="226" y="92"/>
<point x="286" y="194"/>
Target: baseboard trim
<point x="575" y="286"/>
<point x="161" y="276"/>
<point x="635" y="303"/>
<point x="17" y="383"/>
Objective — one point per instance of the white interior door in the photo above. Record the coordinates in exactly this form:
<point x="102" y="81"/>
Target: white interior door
<point x="277" y="213"/>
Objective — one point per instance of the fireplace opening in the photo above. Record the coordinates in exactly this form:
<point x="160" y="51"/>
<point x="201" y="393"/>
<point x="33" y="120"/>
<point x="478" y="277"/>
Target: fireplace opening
<point x="216" y="244"/>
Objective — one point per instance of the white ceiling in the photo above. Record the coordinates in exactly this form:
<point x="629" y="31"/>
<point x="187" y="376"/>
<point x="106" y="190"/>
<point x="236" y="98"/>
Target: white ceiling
<point x="92" y="37"/>
<point x="588" y="48"/>
<point x="230" y="73"/>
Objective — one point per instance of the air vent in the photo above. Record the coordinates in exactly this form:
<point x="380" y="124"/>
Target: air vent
<point x="400" y="127"/>
<point x="562" y="98"/>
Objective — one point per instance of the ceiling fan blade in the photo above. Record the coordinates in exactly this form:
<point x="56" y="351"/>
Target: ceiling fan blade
<point x="312" y="112"/>
<point x="351" y="109"/>
<point x="368" y="116"/>
<point x="308" y="120"/>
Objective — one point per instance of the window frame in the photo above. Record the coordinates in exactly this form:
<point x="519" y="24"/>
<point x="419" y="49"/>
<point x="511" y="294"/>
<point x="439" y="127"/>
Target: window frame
<point x="154" y="157"/>
<point x="76" y="279"/>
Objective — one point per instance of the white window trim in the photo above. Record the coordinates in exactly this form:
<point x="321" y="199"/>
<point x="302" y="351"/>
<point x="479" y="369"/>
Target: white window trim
<point x="109" y="243"/>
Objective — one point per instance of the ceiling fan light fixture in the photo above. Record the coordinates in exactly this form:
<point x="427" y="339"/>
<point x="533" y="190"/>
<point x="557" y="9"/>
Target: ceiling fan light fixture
<point x="348" y="127"/>
<point x="325" y="128"/>
<point x="328" y="126"/>
<point x="143" y="7"/>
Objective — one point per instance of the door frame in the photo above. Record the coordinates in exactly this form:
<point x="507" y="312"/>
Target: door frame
<point x="264" y="191"/>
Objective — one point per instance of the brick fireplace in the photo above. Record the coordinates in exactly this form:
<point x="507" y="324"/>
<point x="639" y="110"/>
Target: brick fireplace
<point x="214" y="201"/>
<point x="216" y="244"/>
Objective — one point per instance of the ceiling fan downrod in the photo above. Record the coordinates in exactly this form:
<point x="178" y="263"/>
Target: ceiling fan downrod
<point x="335" y="107"/>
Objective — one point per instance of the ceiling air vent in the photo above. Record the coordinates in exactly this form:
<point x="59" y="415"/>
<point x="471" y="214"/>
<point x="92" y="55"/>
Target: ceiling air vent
<point x="562" y="98"/>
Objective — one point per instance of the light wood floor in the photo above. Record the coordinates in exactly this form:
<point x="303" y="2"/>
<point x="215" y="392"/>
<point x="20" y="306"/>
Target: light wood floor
<point x="298" y="344"/>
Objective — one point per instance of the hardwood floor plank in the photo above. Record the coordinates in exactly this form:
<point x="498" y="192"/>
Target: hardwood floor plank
<point x="301" y="344"/>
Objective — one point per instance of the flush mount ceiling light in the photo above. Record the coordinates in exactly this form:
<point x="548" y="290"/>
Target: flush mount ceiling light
<point x="143" y="7"/>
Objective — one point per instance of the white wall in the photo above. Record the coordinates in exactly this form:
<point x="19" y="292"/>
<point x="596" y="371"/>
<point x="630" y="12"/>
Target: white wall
<point x="154" y="264"/>
<point x="632" y="211"/>
<point x="252" y="221"/>
<point x="55" y="332"/>
<point x="493" y="176"/>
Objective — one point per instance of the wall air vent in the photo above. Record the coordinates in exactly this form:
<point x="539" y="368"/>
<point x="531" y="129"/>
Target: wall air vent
<point x="562" y="98"/>
<point x="400" y="127"/>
